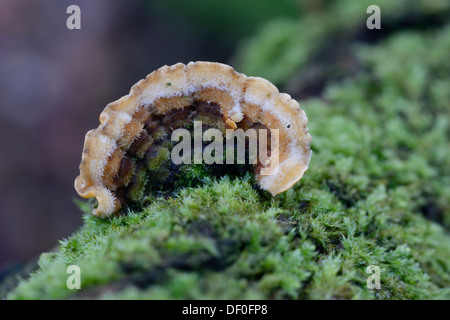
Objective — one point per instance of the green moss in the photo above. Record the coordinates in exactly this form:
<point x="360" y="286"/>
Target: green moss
<point x="284" y="47"/>
<point x="221" y="241"/>
<point x="376" y="193"/>
<point x="160" y="157"/>
<point x="136" y="191"/>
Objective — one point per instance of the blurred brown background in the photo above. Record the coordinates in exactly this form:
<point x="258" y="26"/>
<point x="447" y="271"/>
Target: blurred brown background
<point x="54" y="83"/>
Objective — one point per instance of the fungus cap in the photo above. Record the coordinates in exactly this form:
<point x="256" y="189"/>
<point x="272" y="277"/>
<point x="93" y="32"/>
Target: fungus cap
<point x="106" y="164"/>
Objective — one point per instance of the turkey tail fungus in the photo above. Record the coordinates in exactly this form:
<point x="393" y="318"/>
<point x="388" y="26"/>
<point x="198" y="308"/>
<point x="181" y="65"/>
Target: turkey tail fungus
<point x="133" y="141"/>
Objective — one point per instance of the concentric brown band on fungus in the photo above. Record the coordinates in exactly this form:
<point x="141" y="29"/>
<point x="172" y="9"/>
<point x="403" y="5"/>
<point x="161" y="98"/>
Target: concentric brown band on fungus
<point x="133" y="130"/>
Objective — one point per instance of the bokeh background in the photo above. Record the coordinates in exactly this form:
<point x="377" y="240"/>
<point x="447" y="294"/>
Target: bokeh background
<point x="54" y="82"/>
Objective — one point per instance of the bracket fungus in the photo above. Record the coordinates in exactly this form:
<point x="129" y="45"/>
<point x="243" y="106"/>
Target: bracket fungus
<point x="128" y="150"/>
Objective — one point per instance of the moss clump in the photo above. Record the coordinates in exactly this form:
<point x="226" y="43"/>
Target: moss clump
<point x="376" y="193"/>
<point x="222" y="241"/>
<point x="324" y="31"/>
<point x="159" y="157"/>
<point x="137" y="189"/>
